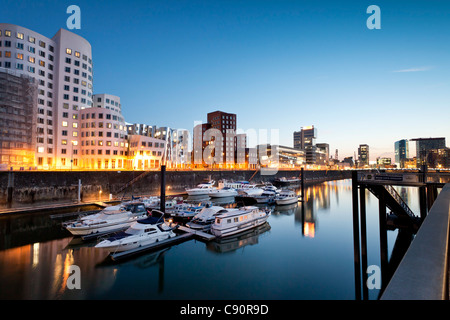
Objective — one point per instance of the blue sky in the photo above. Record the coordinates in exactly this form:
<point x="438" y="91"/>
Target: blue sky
<point x="277" y="64"/>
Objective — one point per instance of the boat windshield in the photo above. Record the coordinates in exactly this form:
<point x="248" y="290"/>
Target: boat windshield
<point x="132" y="231"/>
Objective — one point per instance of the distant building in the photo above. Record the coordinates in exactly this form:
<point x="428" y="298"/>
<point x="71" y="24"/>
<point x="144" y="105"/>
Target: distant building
<point x="439" y="158"/>
<point x="401" y="152"/>
<point x="424" y="146"/>
<point x="384" y="162"/>
<point x="280" y="156"/>
<point x="363" y="155"/>
<point x="323" y="154"/>
<point x="305" y="139"/>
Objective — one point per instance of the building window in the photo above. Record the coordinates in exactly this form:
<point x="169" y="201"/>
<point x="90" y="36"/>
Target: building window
<point x="19" y="35"/>
<point x="69" y="51"/>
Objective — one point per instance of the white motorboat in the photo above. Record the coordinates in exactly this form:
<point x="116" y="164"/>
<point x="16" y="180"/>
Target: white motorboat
<point x="108" y="220"/>
<point x="204" y="219"/>
<point x="286" y="196"/>
<point x="232" y="221"/>
<point x="155" y="203"/>
<point x="141" y="233"/>
<point x="202" y="189"/>
<point x="223" y="192"/>
<point x="284" y="182"/>
<point x="188" y="212"/>
<point x="243" y="187"/>
<point x="268" y="196"/>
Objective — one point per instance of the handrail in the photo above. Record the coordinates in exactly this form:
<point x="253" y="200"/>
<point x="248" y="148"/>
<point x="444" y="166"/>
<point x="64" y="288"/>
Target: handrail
<point x="399" y="200"/>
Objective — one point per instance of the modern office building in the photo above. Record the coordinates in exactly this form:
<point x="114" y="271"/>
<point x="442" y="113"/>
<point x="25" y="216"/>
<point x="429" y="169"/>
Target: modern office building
<point x="424" y="146"/>
<point x="305" y="139"/>
<point x="280" y="156"/>
<point x="363" y="155"/>
<point x="401" y="152"/>
<point x="62" y="68"/>
<point x="216" y="143"/>
<point x="323" y="154"/>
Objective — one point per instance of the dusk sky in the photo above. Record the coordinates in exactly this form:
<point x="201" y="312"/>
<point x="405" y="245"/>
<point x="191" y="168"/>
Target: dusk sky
<point x="276" y="64"/>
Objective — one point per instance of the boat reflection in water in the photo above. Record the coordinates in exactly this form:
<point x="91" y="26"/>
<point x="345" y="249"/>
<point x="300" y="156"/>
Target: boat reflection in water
<point x="288" y="209"/>
<point x="223" y="201"/>
<point x="232" y="243"/>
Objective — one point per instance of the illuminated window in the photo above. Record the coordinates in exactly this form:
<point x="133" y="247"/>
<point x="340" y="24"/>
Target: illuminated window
<point x="75" y="124"/>
<point x="31" y="39"/>
<point x="7" y="54"/>
<point x="7" y="33"/>
<point x="19" y="35"/>
<point x="40" y="149"/>
<point x="64" y="123"/>
<point x="64" y="142"/>
<point x="31" y="59"/>
<point x="77" y="54"/>
<point x="69" y="51"/>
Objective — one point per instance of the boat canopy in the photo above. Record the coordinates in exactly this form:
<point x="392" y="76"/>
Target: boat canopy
<point x="151" y="220"/>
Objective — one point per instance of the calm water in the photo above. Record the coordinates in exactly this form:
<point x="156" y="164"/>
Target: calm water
<point x="303" y="252"/>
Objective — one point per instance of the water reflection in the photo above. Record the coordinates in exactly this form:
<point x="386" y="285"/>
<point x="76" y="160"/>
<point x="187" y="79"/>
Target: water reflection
<point x="317" y="262"/>
<point x="232" y="243"/>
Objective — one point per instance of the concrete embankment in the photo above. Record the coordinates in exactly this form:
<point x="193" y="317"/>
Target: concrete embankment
<point x="25" y="188"/>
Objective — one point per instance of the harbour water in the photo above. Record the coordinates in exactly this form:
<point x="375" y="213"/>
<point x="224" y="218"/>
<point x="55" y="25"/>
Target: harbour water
<point x="303" y="252"/>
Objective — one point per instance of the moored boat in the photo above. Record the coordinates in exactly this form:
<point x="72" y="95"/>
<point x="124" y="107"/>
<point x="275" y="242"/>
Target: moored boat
<point x="285" y="182"/>
<point x="204" y="219"/>
<point x="110" y="219"/>
<point x="286" y="196"/>
<point x="141" y="233"/>
<point x="201" y="189"/>
<point x="233" y="221"/>
<point x="223" y="192"/>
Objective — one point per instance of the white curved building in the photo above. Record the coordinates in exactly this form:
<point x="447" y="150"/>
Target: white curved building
<point x="62" y="66"/>
<point x="103" y="141"/>
<point x="75" y="129"/>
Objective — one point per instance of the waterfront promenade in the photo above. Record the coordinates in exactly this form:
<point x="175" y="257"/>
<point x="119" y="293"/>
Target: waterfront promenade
<point x="423" y="273"/>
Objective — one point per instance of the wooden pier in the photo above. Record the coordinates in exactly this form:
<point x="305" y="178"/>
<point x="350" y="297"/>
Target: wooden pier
<point x="198" y="234"/>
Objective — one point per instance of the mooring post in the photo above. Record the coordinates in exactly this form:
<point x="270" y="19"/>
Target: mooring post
<point x="383" y="240"/>
<point x="10" y="187"/>
<point x="79" y="190"/>
<point x="163" y="189"/>
<point x="423" y="202"/>
<point x="356" y="248"/>
<point x="362" y="198"/>
<point x="303" y="183"/>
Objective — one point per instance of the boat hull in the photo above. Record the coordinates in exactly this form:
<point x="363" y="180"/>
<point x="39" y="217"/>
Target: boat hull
<point x="286" y="201"/>
<point x="222" y="194"/>
<point x="89" y="230"/>
<point x="220" y="233"/>
<point x="131" y="243"/>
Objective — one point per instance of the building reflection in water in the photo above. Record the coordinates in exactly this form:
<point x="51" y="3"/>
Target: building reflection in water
<point x="317" y="198"/>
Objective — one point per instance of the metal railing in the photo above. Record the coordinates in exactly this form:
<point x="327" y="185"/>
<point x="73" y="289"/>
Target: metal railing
<point x="399" y="200"/>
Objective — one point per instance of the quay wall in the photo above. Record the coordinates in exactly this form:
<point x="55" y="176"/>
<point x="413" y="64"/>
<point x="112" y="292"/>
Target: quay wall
<point x="21" y="188"/>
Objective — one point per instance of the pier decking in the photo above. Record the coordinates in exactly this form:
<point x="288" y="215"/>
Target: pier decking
<point x="423" y="272"/>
